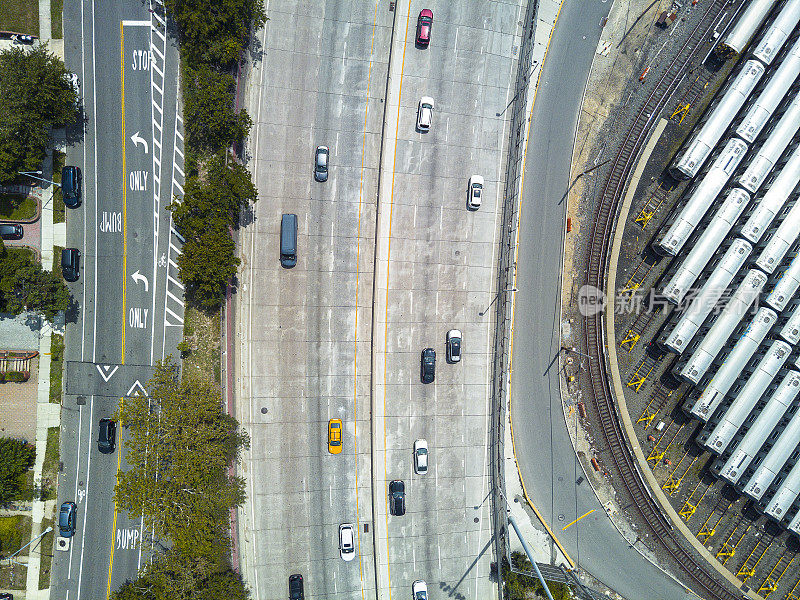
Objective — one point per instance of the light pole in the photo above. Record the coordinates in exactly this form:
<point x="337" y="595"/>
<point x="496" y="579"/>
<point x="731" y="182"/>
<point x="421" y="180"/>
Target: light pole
<point x="34" y="175"/>
<point x="41" y="535"/>
<point x="505" y="291"/>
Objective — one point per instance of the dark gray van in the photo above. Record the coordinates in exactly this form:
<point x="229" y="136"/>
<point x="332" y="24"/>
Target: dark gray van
<point x="288" y="241"/>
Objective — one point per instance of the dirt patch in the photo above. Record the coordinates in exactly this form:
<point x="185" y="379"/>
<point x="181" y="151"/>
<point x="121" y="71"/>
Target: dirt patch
<point x="18" y="406"/>
<point x="201" y="332"/>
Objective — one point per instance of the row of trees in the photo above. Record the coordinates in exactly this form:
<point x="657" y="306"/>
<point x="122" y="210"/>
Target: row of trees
<point x="16" y="459"/>
<point x="180" y="447"/>
<point x="24" y="285"/>
<point x="37" y="97"/>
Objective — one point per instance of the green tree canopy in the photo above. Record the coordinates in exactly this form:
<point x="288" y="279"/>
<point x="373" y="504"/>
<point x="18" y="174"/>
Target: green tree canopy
<point x="206" y="264"/>
<point x="178" y="453"/>
<point x="211" y="121"/>
<point x="35" y="98"/>
<point x="24" y="285"/>
<point x="16" y="459"/>
<point x="216" y="32"/>
<point x="176" y="576"/>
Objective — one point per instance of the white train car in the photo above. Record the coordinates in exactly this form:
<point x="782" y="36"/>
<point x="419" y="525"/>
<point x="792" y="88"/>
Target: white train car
<point x="791" y="329"/>
<point x="748" y="396"/>
<point x="697" y="259"/>
<point x="775" y="459"/>
<point x="746" y="25"/>
<point x="721" y="116"/>
<point x="739" y="356"/>
<point x="773" y="93"/>
<point x="756" y="172"/>
<point x="780" y="242"/>
<point x="702" y="198"/>
<point x="794" y="524"/>
<point x="726" y="322"/>
<point x="778" y="32"/>
<point x="786" y="495"/>
<point x="786" y="287"/>
<point x="773" y="201"/>
<point x="709" y="295"/>
<point x="758" y="433"/>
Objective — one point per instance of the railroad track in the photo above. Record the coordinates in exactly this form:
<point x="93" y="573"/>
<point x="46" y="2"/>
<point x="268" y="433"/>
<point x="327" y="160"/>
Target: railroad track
<point x="597" y="263"/>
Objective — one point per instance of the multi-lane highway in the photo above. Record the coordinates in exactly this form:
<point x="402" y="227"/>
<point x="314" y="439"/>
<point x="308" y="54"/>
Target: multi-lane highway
<point x="128" y="311"/>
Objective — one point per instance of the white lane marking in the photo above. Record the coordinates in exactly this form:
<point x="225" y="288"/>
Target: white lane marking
<point x="88" y="467"/>
<point x="83" y="283"/>
<point x="136" y="23"/>
<point x="439" y="550"/>
<point x="77" y="475"/>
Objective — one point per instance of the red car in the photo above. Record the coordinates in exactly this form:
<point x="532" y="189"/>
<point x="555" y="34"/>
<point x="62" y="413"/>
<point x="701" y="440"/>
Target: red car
<point x="424" y="25"/>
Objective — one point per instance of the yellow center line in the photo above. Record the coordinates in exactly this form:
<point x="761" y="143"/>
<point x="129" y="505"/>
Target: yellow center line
<point x="124" y="270"/>
<point x="358" y="272"/>
<point x="578" y="519"/>
<point x="386" y="319"/>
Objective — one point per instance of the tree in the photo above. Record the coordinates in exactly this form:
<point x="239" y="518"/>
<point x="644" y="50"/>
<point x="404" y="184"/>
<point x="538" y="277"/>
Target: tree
<point x="32" y="288"/>
<point x="36" y="98"/>
<point x="177" y="576"/>
<point x="179" y="451"/>
<point x="206" y="264"/>
<point x="16" y="459"/>
<point x="211" y="121"/>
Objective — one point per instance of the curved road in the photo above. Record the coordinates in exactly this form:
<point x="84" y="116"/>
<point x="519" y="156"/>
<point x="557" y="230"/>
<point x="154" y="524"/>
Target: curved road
<point x="545" y="454"/>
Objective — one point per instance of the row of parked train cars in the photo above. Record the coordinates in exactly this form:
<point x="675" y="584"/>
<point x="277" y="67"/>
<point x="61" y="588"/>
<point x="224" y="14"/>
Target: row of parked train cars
<point x="744" y="361"/>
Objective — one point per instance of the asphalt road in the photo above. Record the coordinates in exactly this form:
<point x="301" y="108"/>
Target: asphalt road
<point x="545" y="454"/>
<point x="120" y="324"/>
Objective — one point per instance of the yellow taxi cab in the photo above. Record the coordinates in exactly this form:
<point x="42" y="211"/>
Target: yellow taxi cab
<point x="335" y="436"/>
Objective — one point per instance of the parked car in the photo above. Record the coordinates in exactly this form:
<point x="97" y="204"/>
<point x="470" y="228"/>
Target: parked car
<point x="347" y="542"/>
<point x="335" y="436"/>
<point x="425" y="113"/>
<point x="453" y="354"/>
<point x="420" y="457"/>
<point x="475" y="192"/>
<point x="424" y="26"/>
<point x="70" y="263"/>
<point x="419" y="589"/>
<point x="107" y="438"/>
<point x="296" y="587"/>
<point x="66" y="519"/>
<point x="321" y="163"/>
<point x="11" y="231"/>
<point x="428" y="365"/>
<point x="71" y="187"/>
<point x="397" y="498"/>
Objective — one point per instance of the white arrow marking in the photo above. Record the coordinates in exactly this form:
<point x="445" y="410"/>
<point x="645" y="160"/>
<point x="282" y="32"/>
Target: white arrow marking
<point x="133" y="392"/>
<point x="103" y="369"/>
<point x="136" y="138"/>
<point x="138" y="277"/>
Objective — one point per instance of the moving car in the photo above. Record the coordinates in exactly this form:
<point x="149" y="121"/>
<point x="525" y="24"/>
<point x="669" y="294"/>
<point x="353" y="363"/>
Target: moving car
<point x="107" y="439"/>
<point x="11" y="231"/>
<point x="397" y="498"/>
<point x="321" y="163"/>
<point x="347" y="542"/>
<point x="70" y="263"/>
<point x="424" y="26"/>
<point x="71" y="179"/>
<point x="296" y="587"/>
<point x="420" y="457"/>
<point x="335" y="436"/>
<point x="66" y="519"/>
<point x="288" y="241"/>
<point x="428" y="365"/>
<point x="419" y="589"/>
<point x="475" y="192"/>
<point x="453" y="354"/>
<point x="425" y="113"/>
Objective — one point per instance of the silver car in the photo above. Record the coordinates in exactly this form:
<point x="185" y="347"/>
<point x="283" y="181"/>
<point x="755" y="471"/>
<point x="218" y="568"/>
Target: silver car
<point x="321" y="163"/>
<point x="475" y="192"/>
<point x="420" y="457"/>
<point x="425" y="113"/>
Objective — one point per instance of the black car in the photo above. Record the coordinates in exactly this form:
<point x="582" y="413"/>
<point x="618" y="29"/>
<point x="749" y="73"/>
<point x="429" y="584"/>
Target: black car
<point x="66" y="519"/>
<point x="296" y="587"/>
<point x="428" y="365"/>
<point x="107" y="440"/>
<point x="70" y="263"/>
<point x="10" y="231"/>
<point x="321" y="163"/>
<point x="397" y="498"/>
<point x="71" y="186"/>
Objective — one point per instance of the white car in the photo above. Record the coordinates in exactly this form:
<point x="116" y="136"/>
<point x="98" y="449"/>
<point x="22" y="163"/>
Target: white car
<point x="347" y="542"/>
<point x="425" y="113"/>
<point x="475" y="191"/>
<point x="453" y="346"/>
<point x="419" y="589"/>
<point x="420" y="457"/>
